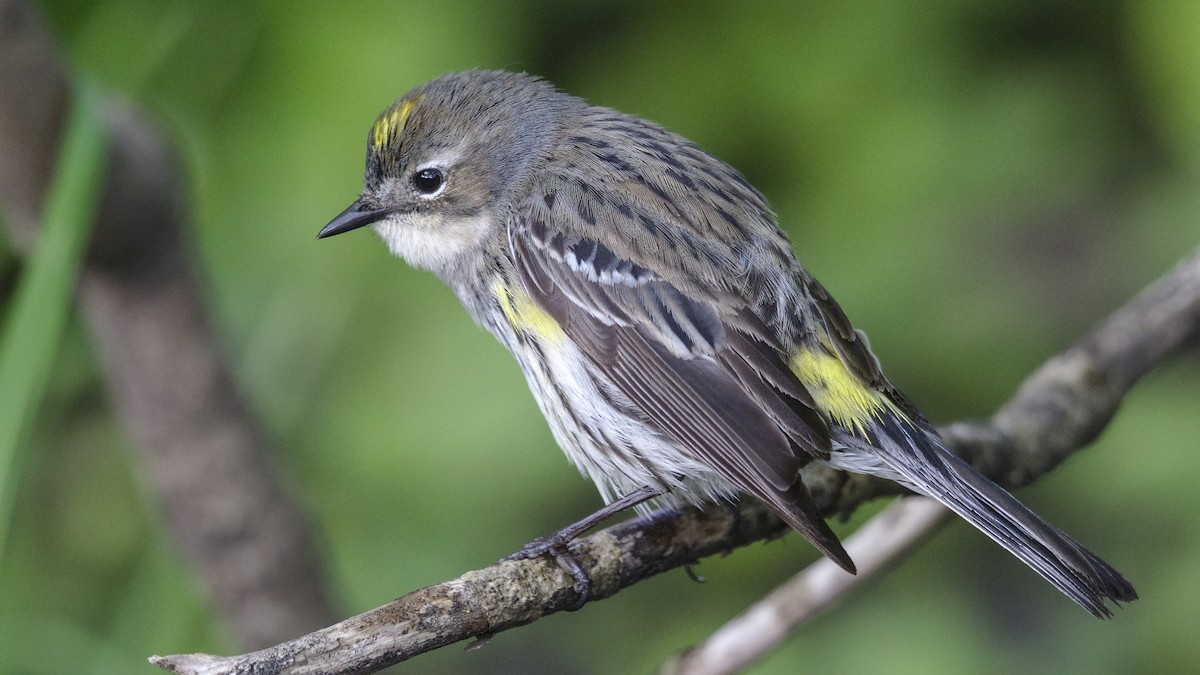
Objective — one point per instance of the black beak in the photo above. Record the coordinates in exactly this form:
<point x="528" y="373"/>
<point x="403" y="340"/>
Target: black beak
<point x="354" y="217"/>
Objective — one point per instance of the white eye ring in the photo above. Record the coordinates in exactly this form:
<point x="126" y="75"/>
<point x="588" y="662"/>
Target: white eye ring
<point x="429" y="181"/>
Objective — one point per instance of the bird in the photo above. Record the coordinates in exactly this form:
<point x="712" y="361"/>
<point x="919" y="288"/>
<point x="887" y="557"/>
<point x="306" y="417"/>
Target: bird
<point x="678" y="350"/>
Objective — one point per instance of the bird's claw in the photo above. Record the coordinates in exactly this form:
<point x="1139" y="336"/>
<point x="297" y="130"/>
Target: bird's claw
<point x="557" y="548"/>
<point x="534" y="549"/>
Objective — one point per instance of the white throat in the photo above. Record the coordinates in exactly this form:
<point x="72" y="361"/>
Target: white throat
<point x="432" y="242"/>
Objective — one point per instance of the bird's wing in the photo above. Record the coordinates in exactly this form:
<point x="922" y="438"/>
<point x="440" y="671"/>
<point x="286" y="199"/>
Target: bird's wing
<point x="700" y="366"/>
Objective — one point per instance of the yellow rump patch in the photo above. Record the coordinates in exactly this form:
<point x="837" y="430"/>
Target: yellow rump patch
<point x="525" y="316"/>
<point x="389" y="125"/>
<point x="836" y="391"/>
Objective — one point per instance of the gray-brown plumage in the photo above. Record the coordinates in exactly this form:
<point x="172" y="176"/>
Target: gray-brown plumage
<point x="660" y="317"/>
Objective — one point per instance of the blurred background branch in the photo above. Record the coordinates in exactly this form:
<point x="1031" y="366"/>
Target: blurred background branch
<point x="887" y="537"/>
<point x="202" y="452"/>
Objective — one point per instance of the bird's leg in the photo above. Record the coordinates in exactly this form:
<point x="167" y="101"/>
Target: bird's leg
<point x="556" y="544"/>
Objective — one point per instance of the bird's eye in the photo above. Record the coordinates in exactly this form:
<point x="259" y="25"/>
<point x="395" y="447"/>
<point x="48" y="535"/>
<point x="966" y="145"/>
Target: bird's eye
<point x="429" y="181"/>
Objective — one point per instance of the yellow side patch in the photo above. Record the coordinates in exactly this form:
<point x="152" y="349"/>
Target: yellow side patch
<point x="526" y="317"/>
<point x="389" y="125"/>
<point x="836" y="391"/>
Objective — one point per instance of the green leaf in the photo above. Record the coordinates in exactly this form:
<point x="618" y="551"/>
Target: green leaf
<point x="43" y="296"/>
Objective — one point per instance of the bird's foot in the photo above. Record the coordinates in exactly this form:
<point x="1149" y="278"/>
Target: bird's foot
<point x="556" y="545"/>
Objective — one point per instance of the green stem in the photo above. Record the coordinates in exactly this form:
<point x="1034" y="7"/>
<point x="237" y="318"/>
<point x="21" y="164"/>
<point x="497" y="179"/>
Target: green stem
<point x="43" y="296"/>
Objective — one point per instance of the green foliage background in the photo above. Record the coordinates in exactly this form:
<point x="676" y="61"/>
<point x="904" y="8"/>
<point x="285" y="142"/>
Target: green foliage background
<point x="977" y="182"/>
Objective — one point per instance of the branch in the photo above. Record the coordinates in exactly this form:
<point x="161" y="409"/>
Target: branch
<point x="1062" y="406"/>
<point x="205" y="454"/>
<point x="874" y="547"/>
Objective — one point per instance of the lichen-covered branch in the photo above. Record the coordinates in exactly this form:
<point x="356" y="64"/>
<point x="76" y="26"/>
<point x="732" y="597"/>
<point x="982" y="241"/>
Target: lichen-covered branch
<point x="1060" y="407"/>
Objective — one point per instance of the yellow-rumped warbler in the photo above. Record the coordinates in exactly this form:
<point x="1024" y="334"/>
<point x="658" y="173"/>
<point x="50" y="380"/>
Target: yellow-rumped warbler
<point x="670" y="337"/>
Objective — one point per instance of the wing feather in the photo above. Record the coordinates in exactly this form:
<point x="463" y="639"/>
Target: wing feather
<point x="712" y="383"/>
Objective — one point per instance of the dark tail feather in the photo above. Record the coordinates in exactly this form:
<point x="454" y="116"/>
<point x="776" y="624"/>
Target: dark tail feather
<point x="927" y="467"/>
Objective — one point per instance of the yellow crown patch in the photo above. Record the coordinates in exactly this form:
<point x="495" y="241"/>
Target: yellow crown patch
<point x="389" y="125"/>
